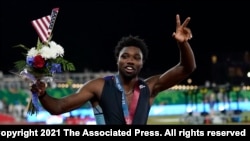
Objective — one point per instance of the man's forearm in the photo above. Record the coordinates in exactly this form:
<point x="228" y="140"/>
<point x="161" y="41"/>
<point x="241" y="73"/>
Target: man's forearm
<point x="187" y="58"/>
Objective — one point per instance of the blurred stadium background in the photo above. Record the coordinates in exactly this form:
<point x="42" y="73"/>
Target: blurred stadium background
<point x="182" y="104"/>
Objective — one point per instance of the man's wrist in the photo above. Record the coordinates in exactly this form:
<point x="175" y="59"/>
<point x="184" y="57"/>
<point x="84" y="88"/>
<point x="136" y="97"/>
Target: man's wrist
<point x="42" y="95"/>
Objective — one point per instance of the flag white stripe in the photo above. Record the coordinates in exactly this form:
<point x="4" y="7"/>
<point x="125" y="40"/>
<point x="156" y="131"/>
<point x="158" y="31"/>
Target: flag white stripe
<point x="39" y="32"/>
<point x="41" y="25"/>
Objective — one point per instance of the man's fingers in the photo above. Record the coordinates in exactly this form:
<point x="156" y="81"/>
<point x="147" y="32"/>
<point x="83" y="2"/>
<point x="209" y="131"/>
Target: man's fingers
<point x="189" y="33"/>
<point x="173" y="34"/>
<point x="178" y="21"/>
<point x="185" y="23"/>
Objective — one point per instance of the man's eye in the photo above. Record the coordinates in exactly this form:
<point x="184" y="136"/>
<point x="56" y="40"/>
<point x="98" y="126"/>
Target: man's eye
<point x="124" y="56"/>
<point x="137" y="58"/>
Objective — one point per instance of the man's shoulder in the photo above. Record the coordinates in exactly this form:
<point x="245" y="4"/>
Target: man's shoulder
<point x="108" y="77"/>
<point x="141" y="80"/>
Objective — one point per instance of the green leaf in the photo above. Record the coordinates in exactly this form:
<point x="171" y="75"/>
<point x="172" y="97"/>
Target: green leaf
<point x="39" y="44"/>
<point x="66" y="65"/>
<point x="21" y="46"/>
<point x="20" y="65"/>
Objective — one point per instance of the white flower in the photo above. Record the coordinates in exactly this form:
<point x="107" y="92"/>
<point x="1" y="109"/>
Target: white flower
<point x="58" y="49"/>
<point x="52" y="51"/>
<point x="47" y="53"/>
<point x="32" y="52"/>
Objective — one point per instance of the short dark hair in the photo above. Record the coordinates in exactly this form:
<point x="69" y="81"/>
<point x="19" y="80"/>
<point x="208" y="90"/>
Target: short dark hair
<point x="132" y="41"/>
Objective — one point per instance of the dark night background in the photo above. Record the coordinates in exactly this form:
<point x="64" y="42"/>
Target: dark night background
<point x="89" y="31"/>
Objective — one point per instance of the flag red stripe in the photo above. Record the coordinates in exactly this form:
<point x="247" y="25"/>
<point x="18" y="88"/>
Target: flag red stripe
<point x="39" y="32"/>
<point x="41" y="26"/>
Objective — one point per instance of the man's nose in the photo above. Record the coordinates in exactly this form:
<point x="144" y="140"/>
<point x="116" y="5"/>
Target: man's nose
<point x="131" y="61"/>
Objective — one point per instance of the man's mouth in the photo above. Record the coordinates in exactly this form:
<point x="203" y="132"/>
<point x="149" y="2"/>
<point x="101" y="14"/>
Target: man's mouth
<point x="129" y="69"/>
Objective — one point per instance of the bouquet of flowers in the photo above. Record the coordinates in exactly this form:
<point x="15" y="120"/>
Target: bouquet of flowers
<point x="42" y="62"/>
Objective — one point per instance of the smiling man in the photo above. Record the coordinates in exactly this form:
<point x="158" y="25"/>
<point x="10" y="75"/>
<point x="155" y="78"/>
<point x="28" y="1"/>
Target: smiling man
<point x="124" y="98"/>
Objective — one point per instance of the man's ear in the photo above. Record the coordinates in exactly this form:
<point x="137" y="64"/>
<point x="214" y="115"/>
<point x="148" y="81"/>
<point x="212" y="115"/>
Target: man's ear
<point x="116" y="58"/>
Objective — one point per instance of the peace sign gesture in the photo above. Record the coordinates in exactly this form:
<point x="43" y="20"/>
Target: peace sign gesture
<point x="182" y="33"/>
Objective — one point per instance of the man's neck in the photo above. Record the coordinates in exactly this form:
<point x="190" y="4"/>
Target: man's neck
<point x="128" y="82"/>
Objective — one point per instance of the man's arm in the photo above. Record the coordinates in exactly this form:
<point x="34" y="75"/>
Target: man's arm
<point x="56" y="106"/>
<point x="185" y="66"/>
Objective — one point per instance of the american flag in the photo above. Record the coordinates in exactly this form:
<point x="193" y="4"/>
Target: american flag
<point x="44" y="25"/>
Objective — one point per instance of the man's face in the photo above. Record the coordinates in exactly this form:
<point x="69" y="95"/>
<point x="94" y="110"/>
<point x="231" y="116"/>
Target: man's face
<point x="130" y="61"/>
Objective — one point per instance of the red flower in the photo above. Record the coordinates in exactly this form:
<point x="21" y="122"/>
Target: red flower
<point x="38" y="62"/>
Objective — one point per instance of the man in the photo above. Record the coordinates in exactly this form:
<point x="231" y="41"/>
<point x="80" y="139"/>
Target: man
<point x="124" y="98"/>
